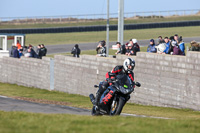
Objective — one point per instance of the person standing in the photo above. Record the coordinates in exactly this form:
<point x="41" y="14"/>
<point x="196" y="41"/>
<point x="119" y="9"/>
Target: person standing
<point x="44" y="50"/>
<point x="18" y="45"/>
<point x="76" y="51"/>
<point x="39" y="52"/>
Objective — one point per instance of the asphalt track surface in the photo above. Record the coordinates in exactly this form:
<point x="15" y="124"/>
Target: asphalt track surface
<point x="63" y="48"/>
<point x="10" y="104"/>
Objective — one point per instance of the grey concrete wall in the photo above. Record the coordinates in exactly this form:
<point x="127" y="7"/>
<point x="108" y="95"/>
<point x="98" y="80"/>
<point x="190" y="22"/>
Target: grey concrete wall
<point x="28" y="72"/>
<point x="171" y="81"/>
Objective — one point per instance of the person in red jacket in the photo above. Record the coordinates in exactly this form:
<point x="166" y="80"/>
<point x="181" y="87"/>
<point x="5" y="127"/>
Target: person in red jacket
<point x="18" y="45"/>
<point x="126" y="68"/>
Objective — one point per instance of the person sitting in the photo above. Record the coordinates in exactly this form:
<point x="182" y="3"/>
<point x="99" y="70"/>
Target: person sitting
<point x="76" y="51"/>
<point x="194" y="46"/>
<point x="101" y="49"/>
<point x="167" y="42"/>
<point x="151" y="48"/>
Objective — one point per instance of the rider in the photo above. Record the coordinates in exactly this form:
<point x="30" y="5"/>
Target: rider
<point x="126" y="68"/>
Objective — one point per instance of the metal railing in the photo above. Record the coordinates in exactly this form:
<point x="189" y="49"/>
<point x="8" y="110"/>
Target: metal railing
<point x="97" y="17"/>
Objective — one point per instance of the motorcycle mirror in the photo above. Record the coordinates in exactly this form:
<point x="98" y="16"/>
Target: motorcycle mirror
<point x="96" y="86"/>
<point x="137" y="84"/>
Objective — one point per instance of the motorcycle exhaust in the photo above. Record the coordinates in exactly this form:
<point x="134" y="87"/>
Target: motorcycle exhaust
<point x="92" y="98"/>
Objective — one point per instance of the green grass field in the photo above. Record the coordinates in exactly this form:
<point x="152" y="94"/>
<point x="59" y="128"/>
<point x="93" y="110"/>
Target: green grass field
<point x="184" y="120"/>
<point x="85" y="37"/>
<point x="101" y="22"/>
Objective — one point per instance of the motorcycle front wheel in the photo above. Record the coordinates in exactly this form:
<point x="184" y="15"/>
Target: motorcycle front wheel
<point x="117" y="107"/>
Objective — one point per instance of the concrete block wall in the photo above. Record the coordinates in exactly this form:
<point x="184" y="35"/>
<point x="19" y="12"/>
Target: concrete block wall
<point x="28" y="72"/>
<point x="172" y="81"/>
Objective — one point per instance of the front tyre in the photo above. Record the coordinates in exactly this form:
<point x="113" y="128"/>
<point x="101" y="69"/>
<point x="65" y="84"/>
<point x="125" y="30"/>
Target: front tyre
<point x="117" y="106"/>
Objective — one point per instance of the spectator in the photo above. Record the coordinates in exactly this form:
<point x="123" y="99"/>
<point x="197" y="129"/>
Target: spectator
<point x="39" y="52"/>
<point x="44" y="50"/>
<point x="28" y="53"/>
<point x="160" y="40"/>
<point x="18" y="45"/>
<point x="151" y="48"/>
<point x="171" y="38"/>
<point x="15" y="52"/>
<point x="11" y="52"/>
<point x="119" y="48"/>
<point x="123" y="49"/>
<point x="20" y="52"/>
<point x="33" y="53"/>
<point x="76" y="51"/>
<point x="194" y="46"/>
<point x="176" y="38"/>
<point x="181" y="45"/>
<point x="167" y="42"/>
<point x="126" y="49"/>
<point x="135" y="46"/>
<point x="176" y="49"/>
<point x="130" y="50"/>
<point x="101" y="49"/>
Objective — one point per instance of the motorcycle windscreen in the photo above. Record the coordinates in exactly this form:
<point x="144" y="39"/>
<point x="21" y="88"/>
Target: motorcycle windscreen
<point x="124" y="81"/>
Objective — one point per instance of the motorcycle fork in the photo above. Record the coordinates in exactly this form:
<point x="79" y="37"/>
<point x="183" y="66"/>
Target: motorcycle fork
<point x="113" y="106"/>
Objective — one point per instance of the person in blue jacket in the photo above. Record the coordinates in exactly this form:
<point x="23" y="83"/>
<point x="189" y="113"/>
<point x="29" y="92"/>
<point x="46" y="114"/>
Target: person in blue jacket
<point x="181" y="45"/>
<point x="151" y="48"/>
<point x="167" y="42"/>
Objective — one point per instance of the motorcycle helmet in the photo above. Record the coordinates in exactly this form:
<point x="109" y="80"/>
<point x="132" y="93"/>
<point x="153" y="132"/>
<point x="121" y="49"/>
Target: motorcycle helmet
<point x="161" y="48"/>
<point x="128" y="62"/>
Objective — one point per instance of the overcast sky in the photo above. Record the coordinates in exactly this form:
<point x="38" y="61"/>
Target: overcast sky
<point x="28" y="8"/>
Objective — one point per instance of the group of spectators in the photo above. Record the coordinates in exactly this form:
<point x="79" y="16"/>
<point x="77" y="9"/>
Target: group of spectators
<point x="27" y="51"/>
<point x="130" y="48"/>
<point x="173" y="45"/>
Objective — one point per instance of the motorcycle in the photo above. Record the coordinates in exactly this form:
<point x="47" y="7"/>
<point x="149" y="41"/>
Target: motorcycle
<point x="115" y="96"/>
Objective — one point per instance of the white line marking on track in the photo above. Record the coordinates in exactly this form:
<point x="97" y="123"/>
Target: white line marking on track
<point x="3" y="96"/>
<point x="124" y="114"/>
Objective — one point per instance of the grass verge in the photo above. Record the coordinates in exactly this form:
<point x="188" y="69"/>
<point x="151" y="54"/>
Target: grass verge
<point x="85" y="37"/>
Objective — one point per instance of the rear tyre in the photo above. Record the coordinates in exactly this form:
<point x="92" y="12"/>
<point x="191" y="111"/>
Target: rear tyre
<point x="118" y="106"/>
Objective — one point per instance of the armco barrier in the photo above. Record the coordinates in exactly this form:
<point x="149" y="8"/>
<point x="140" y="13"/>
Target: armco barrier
<point x="102" y="28"/>
<point x="170" y="81"/>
